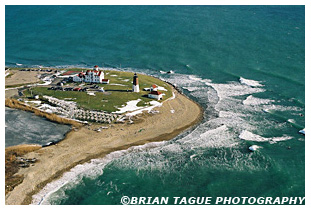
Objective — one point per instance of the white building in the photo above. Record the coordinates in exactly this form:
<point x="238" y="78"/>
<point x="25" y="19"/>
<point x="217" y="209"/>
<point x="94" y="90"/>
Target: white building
<point x="156" y="95"/>
<point x="79" y="77"/>
<point x="92" y="76"/>
<point x="135" y="84"/>
<point x="154" y="88"/>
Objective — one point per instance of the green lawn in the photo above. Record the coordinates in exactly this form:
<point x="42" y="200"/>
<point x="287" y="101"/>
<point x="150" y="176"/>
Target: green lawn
<point x="126" y="78"/>
<point x="115" y="95"/>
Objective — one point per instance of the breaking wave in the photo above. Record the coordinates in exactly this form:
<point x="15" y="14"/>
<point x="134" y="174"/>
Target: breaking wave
<point x="246" y="135"/>
<point x="92" y="169"/>
<point x="249" y="82"/>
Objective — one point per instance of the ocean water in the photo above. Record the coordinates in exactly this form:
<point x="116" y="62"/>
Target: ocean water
<point x="244" y="64"/>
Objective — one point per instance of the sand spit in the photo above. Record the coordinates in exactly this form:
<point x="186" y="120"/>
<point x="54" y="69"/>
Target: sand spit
<point x="84" y="144"/>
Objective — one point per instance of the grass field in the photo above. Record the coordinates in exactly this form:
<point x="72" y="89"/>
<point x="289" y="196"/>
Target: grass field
<point x="116" y="94"/>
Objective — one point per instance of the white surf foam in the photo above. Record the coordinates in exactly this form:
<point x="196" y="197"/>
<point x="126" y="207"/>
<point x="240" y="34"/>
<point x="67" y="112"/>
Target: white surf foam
<point x="253" y="101"/>
<point x="291" y="121"/>
<point x="92" y="169"/>
<point x="247" y="135"/>
<point x="73" y="176"/>
<point x="191" y="89"/>
<point x="235" y="114"/>
<point x="249" y="82"/>
<point x="202" y="138"/>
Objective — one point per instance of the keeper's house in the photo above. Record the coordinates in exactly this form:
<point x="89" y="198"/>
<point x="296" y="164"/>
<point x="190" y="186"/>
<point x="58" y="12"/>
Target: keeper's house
<point x="156" y="95"/>
<point x="92" y="76"/>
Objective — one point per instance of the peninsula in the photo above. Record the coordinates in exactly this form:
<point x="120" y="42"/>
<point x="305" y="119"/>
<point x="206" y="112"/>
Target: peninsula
<point x="111" y="112"/>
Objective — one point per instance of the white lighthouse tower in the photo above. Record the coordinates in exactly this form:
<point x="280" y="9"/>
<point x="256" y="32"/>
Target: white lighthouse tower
<point x="135" y="84"/>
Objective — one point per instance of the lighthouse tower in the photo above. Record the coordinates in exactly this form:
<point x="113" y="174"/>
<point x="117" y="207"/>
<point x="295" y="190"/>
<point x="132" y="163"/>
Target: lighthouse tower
<point x="135" y="83"/>
<point x="95" y="68"/>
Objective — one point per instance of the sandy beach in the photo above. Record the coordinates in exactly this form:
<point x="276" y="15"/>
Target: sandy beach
<point x="84" y="144"/>
<point x="22" y="77"/>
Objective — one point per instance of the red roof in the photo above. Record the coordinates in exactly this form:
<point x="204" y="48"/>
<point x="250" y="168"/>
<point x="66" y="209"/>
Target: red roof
<point x="155" y="93"/>
<point x="105" y="80"/>
<point x="154" y="86"/>
<point x="95" y="66"/>
<point x="69" y="73"/>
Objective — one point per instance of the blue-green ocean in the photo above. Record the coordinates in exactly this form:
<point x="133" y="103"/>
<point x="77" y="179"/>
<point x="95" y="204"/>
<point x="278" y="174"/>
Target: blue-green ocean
<point x="244" y="64"/>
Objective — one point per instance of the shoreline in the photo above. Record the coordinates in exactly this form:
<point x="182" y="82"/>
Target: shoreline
<point x="189" y="114"/>
<point x="13" y="103"/>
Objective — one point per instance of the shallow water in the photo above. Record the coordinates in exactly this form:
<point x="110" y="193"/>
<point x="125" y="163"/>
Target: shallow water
<point x="26" y="128"/>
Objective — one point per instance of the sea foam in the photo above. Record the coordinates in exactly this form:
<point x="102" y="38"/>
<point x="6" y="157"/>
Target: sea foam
<point x="253" y="101"/>
<point x="247" y="135"/>
<point x="249" y="82"/>
<point x="92" y="169"/>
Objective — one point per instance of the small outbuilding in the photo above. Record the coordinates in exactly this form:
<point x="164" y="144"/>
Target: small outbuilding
<point x="154" y="88"/>
<point x="156" y="95"/>
<point x="105" y="81"/>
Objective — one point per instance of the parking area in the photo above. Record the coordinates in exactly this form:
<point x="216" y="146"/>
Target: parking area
<point x="66" y="84"/>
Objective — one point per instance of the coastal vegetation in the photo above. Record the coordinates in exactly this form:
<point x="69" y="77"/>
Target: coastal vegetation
<point x="12" y="164"/>
<point x="13" y="103"/>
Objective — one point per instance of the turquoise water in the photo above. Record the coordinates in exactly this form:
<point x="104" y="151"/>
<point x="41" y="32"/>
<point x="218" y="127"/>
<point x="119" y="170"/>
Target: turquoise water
<point x="243" y="64"/>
